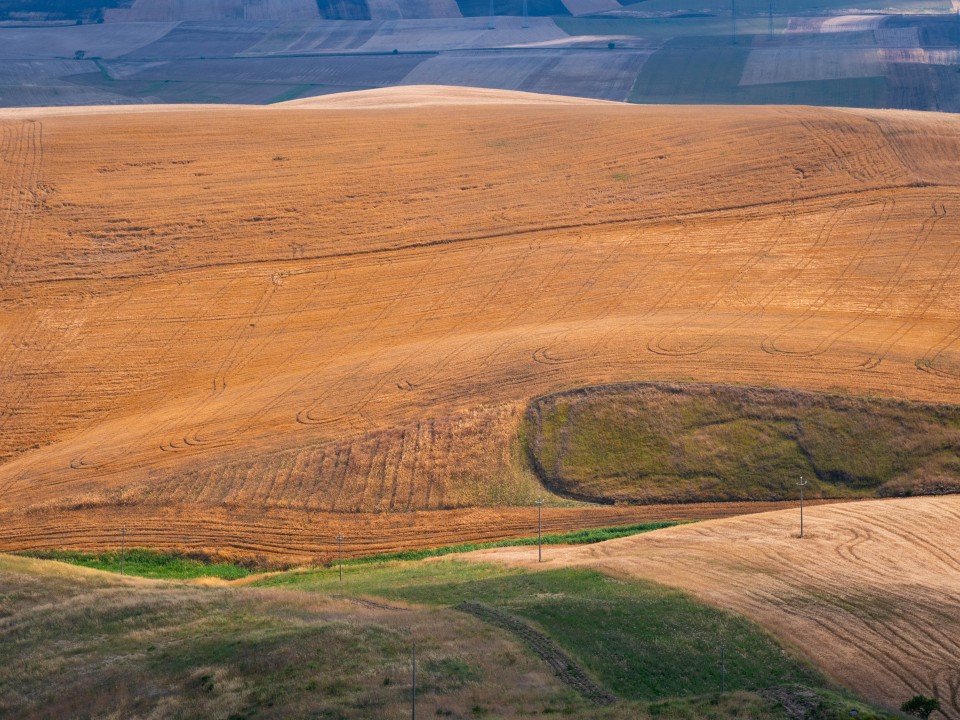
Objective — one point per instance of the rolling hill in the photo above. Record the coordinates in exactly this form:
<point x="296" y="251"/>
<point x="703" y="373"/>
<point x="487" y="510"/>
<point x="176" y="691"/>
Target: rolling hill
<point x="248" y="329"/>
<point x="870" y="592"/>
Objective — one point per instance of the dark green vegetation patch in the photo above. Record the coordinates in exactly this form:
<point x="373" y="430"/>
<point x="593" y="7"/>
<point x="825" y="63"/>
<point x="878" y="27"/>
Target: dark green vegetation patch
<point x="82" y="10"/>
<point x="658" y="442"/>
<point x="146" y="563"/>
<point x="536" y="8"/>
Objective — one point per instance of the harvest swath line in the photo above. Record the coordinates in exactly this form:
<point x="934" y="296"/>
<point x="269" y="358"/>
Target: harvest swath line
<point x="917" y="312"/>
<point x="178" y="337"/>
<point x="781" y="285"/>
<point x="23" y="143"/>
<point x="604" y="337"/>
<point x="304" y="416"/>
<point x="494" y="290"/>
<point x="657" y="344"/>
<point x="391" y="375"/>
<point x="545" y="278"/>
<point x="222" y="436"/>
<point x="890" y="283"/>
<point x="927" y="362"/>
<point x="651" y="218"/>
<point x="424" y="381"/>
<point x="241" y="335"/>
<point x="542" y="355"/>
<point x="770" y="344"/>
<point x="846" y="155"/>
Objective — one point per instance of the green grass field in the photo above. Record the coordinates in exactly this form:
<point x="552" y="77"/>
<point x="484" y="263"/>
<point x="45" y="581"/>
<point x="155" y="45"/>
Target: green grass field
<point x="677" y="443"/>
<point x="641" y="640"/>
<point x="141" y="562"/>
<point x="146" y="563"/>
<point x="82" y="643"/>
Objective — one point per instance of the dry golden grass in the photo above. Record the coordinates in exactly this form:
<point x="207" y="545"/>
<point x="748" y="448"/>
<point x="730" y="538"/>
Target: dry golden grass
<point x="212" y="320"/>
<point x="872" y="592"/>
<point x="80" y="643"/>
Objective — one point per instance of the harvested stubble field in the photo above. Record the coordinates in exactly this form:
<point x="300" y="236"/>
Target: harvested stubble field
<point x="872" y="592"/>
<point x="252" y="328"/>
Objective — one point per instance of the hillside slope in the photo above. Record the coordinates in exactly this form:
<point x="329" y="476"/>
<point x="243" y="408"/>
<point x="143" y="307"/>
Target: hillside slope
<point x="871" y="592"/>
<point x="216" y="318"/>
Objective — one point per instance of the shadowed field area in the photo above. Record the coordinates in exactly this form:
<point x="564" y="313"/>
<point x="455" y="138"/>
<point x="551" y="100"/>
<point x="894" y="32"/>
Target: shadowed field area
<point x="870" y="593"/>
<point x="251" y="329"/>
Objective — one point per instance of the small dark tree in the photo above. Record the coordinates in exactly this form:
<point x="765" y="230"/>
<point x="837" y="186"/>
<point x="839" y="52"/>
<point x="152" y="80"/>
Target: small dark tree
<point x="920" y="706"/>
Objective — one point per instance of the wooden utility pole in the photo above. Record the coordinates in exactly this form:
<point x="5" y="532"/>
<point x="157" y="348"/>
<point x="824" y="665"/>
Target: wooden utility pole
<point x="340" y="555"/>
<point x="539" y="531"/>
<point x="802" y="485"/>
<point x="413" y="697"/>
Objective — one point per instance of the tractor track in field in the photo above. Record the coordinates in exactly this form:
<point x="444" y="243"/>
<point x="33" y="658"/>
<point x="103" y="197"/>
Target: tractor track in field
<point x="567" y="670"/>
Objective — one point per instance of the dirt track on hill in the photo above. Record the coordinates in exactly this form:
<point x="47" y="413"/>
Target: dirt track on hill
<point x="340" y="313"/>
<point x="872" y="593"/>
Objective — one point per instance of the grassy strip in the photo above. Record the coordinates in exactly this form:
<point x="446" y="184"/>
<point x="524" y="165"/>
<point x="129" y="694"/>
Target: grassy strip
<point x="575" y="537"/>
<point x="146" y="563"/>
<point x="171" y="566"/>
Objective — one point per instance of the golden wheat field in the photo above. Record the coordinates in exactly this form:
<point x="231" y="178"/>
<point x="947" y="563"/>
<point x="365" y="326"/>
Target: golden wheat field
<point x="249" y="329"/>
<point x="872" y="591"/>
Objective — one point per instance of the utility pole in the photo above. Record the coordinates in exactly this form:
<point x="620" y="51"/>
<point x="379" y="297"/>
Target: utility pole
<point x="340" y="555"/>
<point x="539" y="531"/>
<point x="490" y="25"/>
<point x="123" y="547"/>
<point x="723" y="666"/>
<point x="413" y="697"/>
<point x="802" y="484"/>
<point x="526" y="17"/>
<point x="770" y="22"/>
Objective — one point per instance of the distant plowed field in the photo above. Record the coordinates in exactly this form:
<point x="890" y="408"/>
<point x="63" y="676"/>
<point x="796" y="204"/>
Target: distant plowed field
<point x="872" y="592"/>
<point x="328" y="310"/>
